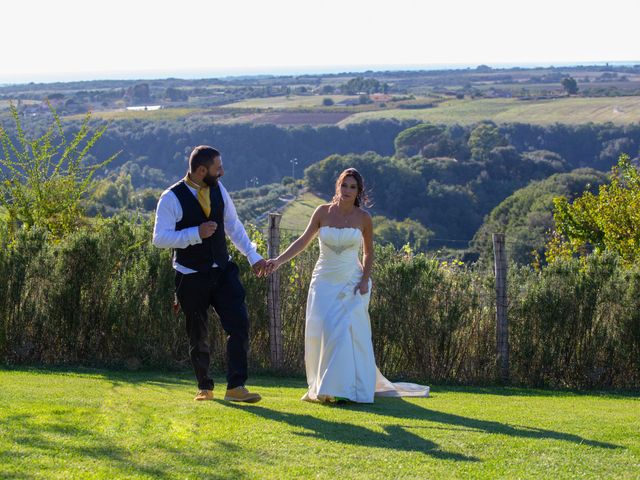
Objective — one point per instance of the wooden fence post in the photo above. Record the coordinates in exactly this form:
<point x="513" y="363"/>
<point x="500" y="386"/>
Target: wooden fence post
<point x="502" y="325"/>
<point x="273" y="294"/>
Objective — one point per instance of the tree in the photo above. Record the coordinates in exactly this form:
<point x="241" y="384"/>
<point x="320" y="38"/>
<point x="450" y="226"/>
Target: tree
<point x="360" y="85"/>
<point x="411" y="141"/>
<point x="140" y="93"/>
<point x="327" y="102"/>
<point x="570" y="85"/>
<point x="484" y="138"/>
<point x="176" y="95"/>
<point x="44" y="180"/>
<point x="606" y="221"/>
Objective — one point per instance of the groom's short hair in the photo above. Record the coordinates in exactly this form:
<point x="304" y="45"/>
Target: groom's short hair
<point x="202" y="155"/>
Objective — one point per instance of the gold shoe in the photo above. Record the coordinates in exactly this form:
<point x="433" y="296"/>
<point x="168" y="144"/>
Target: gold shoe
<point x="204" y="395"/>
<point x="241" y="394"/>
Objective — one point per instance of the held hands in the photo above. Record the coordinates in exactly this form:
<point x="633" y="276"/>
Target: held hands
<point x="273" y="264"/>
<point x="206" y="229"/>
<point x="260" y="268"/>
<point x="263" y="268"/>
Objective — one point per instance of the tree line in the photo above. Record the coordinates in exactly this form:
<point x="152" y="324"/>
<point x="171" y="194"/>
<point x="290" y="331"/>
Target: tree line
<point x="447" y="178"/>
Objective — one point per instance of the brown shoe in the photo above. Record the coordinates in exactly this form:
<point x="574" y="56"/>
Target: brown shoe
<point x="204" y="395"/>
<point x="241" y="394"/>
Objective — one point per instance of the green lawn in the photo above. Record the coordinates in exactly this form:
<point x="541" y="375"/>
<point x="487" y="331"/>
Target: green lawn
<point x="572" y="110"/>
<point x="103" y="424"/>
<point x="296" y="215"/>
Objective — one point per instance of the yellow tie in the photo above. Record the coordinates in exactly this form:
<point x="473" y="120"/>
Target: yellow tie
<point x="203" y="195"/>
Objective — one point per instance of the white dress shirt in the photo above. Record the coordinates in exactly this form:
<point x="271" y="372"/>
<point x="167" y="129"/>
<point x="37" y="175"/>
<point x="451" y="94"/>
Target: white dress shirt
<point x="169" y="212"/>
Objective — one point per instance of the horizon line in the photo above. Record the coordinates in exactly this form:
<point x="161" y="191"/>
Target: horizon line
<point x="285" y="71"/>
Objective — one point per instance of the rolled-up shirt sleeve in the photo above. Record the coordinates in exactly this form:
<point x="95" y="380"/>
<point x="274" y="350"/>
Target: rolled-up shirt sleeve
<point x="235" y="230"/>
<point x="168" y="213"/>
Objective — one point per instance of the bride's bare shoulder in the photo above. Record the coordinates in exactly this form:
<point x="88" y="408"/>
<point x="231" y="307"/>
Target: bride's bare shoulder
<point x="323" y="209"/>
<point x="320" y="213"/>
<point x="364" y="215"/>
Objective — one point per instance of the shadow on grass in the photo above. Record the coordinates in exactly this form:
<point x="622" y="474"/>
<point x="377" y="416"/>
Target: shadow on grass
<point x="60" y="445"/>
<point x="398" y="408"/>
<point x="395" y="437"/>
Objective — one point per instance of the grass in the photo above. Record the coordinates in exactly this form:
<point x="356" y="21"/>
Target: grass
<point x="574" y="110"/>
<point x="296" y="215"/>
<point x="161" y="114"/>
<point x="91" y="424"/>
<point x="292" y="101"/>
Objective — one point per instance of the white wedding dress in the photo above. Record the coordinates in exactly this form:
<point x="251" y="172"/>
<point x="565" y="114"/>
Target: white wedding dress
<point x="339" y="356"/>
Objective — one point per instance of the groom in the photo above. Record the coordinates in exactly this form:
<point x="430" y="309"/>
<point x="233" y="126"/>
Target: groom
<point x="193" y="216"/>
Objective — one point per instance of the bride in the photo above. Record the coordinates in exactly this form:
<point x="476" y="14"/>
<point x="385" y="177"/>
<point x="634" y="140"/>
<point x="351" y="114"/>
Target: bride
<point x="339" y="359"/>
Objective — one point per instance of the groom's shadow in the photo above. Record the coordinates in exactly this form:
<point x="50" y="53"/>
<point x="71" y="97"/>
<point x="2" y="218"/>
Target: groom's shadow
<point x="398" y="437"/>
<point x="395" y="437"/>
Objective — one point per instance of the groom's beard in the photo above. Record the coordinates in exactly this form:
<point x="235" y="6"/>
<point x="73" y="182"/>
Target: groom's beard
<point x="211" y="180"/>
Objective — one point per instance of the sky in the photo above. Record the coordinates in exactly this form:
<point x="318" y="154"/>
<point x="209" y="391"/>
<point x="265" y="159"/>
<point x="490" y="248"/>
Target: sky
<point x="66" y="40"/>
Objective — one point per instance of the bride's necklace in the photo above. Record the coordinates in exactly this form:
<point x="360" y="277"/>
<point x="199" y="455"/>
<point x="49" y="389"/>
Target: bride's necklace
<point x="343" y="219"/>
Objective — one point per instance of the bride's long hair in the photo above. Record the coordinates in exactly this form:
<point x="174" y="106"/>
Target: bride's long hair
<point x="362" y="199"/>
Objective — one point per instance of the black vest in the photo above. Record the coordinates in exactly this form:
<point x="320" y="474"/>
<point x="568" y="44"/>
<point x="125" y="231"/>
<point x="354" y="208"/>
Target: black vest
<point x="200" y="257"/>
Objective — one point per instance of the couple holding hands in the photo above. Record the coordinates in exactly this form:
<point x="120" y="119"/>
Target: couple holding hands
<point x="195" y="215"/>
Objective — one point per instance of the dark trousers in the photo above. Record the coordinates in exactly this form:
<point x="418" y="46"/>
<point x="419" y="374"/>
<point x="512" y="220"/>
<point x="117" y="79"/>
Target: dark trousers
<point x="220" y="288"/>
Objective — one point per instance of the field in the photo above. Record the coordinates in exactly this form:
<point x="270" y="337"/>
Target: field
<point x="296" y="215"/>
<point x="282" y="111"/>
<point x="99" y="424"/>
<point x="317" y="117"/>
<point x="572" y="110"/>
<point x="292" y="101"/>
<point x="303" y="118"/>
<point x="162" y="114"/>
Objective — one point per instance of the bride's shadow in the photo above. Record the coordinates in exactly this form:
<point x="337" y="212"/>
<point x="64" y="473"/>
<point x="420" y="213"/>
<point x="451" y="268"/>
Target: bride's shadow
<point x="395" y="437"/>
<point x="398" y="437"/>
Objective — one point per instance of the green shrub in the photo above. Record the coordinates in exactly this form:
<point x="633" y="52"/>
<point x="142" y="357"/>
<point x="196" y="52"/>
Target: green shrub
<point x="103" y="296"/>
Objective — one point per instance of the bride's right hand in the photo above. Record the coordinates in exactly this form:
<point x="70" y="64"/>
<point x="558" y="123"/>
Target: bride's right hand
<point x="273" y="264"/>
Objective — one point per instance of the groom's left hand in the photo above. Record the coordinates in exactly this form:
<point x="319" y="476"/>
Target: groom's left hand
<point x="362" y="287"/>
